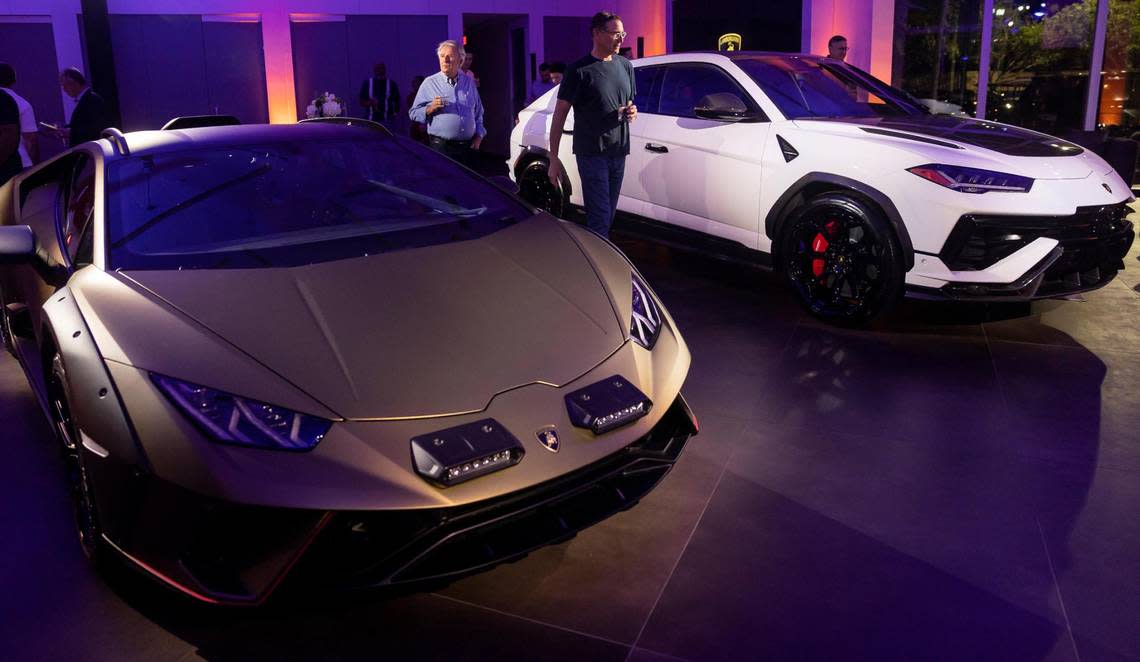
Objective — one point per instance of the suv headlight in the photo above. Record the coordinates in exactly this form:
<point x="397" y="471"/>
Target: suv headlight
<point x="645" y="322"/>
<point x="233" y="420"/>
<point x="972" y="180"/>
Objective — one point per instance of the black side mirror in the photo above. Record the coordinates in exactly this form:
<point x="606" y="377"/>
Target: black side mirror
<point x="723" y="107"/>
<point x="18" y="245"/>
<point x="505" y="183"/>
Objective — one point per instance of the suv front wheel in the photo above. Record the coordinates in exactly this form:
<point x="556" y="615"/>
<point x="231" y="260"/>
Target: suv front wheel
<point x="841" y="258"/>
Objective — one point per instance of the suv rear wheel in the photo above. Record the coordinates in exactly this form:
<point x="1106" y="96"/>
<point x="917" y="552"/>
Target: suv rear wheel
<point x="841" y="258"/>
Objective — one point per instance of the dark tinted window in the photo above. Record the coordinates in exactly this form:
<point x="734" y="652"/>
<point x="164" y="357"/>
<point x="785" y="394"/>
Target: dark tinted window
<point x="810" y="88"/>
<point x="648" y="88"/>
<point x="686" y="84"/>
<point x="290" y="203"/>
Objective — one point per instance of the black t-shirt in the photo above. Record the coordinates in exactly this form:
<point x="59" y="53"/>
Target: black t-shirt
<point x="596" y="89"/>
<point x="10" y="164"/>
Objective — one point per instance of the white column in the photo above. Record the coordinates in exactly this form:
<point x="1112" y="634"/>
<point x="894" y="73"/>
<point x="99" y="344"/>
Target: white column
<point x="984" y="60"/>
<point x="277" y="42"/>
<point x="68" y="48"/>
<point x="1097" y="63"/>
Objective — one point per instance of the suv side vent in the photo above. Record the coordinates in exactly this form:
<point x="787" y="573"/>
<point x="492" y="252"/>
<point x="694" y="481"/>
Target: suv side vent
<point x="786" y="149"/>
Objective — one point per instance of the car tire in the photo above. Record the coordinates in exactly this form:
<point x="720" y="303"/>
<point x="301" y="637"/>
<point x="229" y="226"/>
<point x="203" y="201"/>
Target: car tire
<point x="78" y="478"/>
<point x="842" y="259"/>
<point x="535" y="188"/>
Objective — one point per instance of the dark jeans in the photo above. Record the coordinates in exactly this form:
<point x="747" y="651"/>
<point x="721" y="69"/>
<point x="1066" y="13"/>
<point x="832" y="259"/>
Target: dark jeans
<point x="456" y="150"/>
<point x="601" y="176"/>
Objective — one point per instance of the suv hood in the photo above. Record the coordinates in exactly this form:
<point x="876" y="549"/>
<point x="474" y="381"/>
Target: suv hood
<point x="1034" y="154"/>
<point x="422" y="332"/>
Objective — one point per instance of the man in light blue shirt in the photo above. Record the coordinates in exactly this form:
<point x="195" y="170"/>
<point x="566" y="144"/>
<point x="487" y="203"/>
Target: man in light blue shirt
<point x="450" y="106"/>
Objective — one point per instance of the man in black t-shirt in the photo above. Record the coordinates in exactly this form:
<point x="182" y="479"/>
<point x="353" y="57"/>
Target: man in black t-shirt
<point x="600" y="89"/>
<point x="10" y="163"/>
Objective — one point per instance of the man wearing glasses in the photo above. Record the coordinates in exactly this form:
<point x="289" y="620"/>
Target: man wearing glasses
<point x="600" y="89"/>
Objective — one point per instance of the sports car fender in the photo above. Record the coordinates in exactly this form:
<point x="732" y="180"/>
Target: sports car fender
<point x="94" y="400"/>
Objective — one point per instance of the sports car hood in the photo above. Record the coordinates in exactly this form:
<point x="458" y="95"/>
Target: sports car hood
<point x="420" y="332"/>
<point x="1035" y="154"/>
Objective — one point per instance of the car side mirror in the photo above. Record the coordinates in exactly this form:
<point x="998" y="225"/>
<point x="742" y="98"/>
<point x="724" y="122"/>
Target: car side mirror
<point x="18" y="245"/>
<point x="505" y="183"/>
<point x="723" y="107"/>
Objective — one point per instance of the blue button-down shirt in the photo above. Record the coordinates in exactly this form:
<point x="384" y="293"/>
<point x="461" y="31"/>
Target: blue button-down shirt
<point x="461" y="117"/>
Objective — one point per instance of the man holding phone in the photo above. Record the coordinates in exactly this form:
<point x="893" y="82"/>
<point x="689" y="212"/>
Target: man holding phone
<point x="600" y="88"/>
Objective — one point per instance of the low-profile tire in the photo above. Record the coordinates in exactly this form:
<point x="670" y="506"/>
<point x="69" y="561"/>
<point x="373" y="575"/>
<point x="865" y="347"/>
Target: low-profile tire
<point x="535" y="188"/>
<point x="86" y="514"/>
<point x="841" y="258"/>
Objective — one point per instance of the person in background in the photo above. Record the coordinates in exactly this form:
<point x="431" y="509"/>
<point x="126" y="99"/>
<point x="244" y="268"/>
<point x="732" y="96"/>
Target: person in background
<point x="448" y="103"/>
<point x="380" y="97"/>
<point x="90" y="116"/>
<point x="416" y="130"/>
<point x="837" y="47"/>
<point x="29" y="143"/>
<point x="465" y="66"/>
<point x="600" y="88"/>
<point x="557" y="72"/>
<point x="541" y="86"/>
<point x="10" y="165"/>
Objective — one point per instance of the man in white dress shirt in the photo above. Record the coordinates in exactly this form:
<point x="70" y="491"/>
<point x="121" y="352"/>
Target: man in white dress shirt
<point x="29" y="142"/>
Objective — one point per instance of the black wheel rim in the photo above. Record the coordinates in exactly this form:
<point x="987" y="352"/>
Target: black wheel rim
<point x="535" y="188"/>
<point x="835" y="263"/>
<point x="86" y="524"/>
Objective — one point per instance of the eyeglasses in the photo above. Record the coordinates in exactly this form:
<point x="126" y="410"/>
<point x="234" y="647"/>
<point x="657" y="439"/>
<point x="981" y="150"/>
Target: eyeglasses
<point x="619" y="35"/>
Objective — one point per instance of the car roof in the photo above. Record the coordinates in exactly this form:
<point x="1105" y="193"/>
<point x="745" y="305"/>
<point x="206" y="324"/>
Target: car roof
<point x="154" y="142"/>
<point x="720" y="56"/>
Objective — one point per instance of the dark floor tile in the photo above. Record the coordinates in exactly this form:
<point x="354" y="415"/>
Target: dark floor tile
<point x="880" y="383"/>
<point x="1070" y="404"/>
<point x="422" y="626"/>
<point x="792" y="584"/>
<point x="1095" y="553"/>
<point x="605" y="581"/>
<point x="1106" y="320"/>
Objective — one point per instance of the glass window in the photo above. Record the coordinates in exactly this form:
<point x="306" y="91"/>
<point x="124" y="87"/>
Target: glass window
<point x="1119" y="108"/>
<point x="80" y="208"/>
<point x="686" y="84"/>
<point x="937" y="53"/>
<point x="293" y="203"/>
<point x="1039" y="69"/>
<point x="648" y="81"/>
<point x="803" y="87"/>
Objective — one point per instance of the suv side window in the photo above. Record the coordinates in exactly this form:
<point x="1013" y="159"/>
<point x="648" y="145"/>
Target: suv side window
<point x="648" y="81"/>
<point x="76" y="222"/>
<point x="686" y="84"/>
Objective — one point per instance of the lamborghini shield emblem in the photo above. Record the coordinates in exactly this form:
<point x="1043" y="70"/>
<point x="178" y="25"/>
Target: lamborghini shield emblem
<point x="728" y="42"/>
<point x="548" y="437"/>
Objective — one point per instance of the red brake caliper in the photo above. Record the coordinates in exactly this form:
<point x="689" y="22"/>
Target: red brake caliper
<point x="819" y="247"/>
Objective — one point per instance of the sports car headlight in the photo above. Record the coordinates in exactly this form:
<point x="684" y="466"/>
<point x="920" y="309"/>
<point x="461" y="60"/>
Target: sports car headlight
<point x="233" y="420"/>
<point x="972" y="180"/>
<point x="645" y="322"/>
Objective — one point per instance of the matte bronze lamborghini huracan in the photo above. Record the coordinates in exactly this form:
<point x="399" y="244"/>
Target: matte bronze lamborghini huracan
<point x="322" y="351"/>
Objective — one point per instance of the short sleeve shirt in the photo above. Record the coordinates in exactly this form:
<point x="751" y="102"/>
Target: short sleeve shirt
<point x="597" y="89"/>
<point x="10" y="164"/>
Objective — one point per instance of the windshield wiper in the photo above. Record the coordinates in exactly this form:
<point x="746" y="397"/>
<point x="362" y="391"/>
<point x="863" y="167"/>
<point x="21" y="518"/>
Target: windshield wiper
<point x="441" y="206"/>
<point x="189" y="202"/>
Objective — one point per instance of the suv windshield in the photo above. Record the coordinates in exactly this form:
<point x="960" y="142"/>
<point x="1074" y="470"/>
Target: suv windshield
<point x="817" y="88"/>
<point x="285" y="204"/>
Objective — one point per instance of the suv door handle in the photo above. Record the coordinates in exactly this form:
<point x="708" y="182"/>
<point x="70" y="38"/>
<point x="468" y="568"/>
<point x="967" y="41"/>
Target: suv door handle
<point x="660" y="149"/>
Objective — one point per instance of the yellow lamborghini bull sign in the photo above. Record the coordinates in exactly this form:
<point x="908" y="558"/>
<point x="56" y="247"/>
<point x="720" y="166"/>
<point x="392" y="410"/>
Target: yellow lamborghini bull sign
<point x="728" y="42"/>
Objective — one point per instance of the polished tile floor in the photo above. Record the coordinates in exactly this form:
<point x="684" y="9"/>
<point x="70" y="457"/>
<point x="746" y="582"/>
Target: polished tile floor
<point x="956" y="482"/>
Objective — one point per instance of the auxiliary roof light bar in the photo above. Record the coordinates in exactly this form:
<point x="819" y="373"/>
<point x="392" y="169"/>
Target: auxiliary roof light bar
<point x="458" y="454"/>
<point x="606" y="405"/>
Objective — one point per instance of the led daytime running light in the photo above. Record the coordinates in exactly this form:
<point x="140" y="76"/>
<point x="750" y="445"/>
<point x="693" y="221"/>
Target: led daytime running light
<point x="972" y="180"/>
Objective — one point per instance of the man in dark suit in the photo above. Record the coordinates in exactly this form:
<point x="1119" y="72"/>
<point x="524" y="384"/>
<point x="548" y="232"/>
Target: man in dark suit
<point x="90" y="116"/>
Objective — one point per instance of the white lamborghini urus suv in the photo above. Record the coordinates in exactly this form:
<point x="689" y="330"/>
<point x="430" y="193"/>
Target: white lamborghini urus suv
<point x="848" y="187"/>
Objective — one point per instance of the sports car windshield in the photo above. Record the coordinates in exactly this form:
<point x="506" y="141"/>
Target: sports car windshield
<point x="291" y="203"/>
<point x="818" y="88"/>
